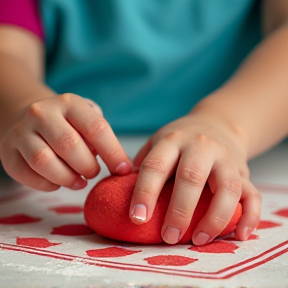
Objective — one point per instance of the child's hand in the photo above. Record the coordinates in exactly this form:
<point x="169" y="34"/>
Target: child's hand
<point x="197" y="148"/>
<point x="56" y="142"/>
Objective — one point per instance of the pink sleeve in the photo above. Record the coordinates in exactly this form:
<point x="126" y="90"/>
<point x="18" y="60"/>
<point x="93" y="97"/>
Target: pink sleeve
<point x="23" y="13"/>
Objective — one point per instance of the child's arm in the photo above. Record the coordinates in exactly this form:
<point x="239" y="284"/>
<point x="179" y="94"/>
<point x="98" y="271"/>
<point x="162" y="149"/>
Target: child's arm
<point x="260" y="86"/>
<point x="41" y="134"/>
<point x="246" y="116"/>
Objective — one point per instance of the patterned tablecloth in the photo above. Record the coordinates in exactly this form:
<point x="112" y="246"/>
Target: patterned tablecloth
<point x="44" y="242"/>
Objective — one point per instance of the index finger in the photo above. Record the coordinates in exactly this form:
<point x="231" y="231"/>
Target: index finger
<point x="90" y="123"/>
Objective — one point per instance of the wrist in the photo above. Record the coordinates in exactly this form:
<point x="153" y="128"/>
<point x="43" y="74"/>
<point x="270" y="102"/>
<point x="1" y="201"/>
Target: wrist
<point x="219" y="116"/>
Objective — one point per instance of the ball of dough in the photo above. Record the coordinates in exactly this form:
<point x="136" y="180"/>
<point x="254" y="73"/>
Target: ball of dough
<point x="106" y="211"/>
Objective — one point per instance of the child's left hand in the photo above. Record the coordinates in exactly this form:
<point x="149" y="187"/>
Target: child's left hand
<point x="197" y="148"/>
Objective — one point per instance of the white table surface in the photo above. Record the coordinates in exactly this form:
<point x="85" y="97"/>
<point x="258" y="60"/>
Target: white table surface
<point x="19" y="269"/>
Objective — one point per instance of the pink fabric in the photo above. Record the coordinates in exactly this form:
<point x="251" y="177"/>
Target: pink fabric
<point x="23" y="13"/>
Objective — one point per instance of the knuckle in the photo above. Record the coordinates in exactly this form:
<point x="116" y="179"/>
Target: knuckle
<point x="233" y="187"/>
<point x="40" y="159"/>
<point x="218" y="223"/>
<point x="68" y="141"/>
<point x="115" y="151"/>
<point x="145" y="192"/>
<point x="36" y="111"/>
<point x="97" y="126"/>
<point x="67" y="97"/>
<point x="174" y="135"/>
<point x="182" y="213"/>
<point x="155" y="165"/>
<point x="192" y="175"/>
<point x="202" y="139"/>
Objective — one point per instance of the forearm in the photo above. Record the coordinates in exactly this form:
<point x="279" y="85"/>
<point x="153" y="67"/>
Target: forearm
<point x="21" y="74"/>
<point x="18" y="89"/>
<point x="255" y="99"/>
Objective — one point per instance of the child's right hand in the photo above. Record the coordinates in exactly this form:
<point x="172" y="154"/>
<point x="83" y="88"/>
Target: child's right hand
<point x="56" y="142"/>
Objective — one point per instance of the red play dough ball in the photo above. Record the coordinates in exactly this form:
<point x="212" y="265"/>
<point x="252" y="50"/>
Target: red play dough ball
<point x="106" y="211"/>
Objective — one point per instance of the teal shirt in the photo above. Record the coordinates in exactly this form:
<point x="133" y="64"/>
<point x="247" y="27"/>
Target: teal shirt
<point x="146" y="62"/>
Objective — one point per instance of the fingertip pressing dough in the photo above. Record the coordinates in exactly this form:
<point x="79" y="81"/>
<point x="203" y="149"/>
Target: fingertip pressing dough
<point x="106" y="211"/>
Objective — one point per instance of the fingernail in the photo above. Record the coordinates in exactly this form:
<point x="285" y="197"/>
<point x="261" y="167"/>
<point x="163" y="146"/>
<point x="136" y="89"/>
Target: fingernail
<point x="80" y="183"/>
<point x="139" y="213"/>
<point x="247" y="232"/>
<point x="123" y="168"/>
<point x="171" y="235"/>
<point x="201" y="238"/>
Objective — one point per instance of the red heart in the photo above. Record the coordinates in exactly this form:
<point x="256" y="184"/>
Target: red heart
<point x="35" y="242"/>
<point x="18" y="219"/>
<point x="111" y="252"/>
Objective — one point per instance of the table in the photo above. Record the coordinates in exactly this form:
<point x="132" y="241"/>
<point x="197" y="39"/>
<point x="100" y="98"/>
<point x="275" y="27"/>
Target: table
<point x="37" y="251"/>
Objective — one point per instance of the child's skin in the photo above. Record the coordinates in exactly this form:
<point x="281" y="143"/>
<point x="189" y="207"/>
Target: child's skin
<point x="41" y="146"/>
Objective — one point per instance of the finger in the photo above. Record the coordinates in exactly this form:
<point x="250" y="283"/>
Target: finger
<point x="24" y="174"/>
<point x="91" y="148"/>
<point x="141" y="155"/>
<point x="96" y="130"/>
<point x="43" y="160"/>
<point x="251" y="205"/>
<point x="222" y="206"/>
<point x="192" y="172"/>
<point x="155" y="169"/>
<point x="69" y="145"/>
